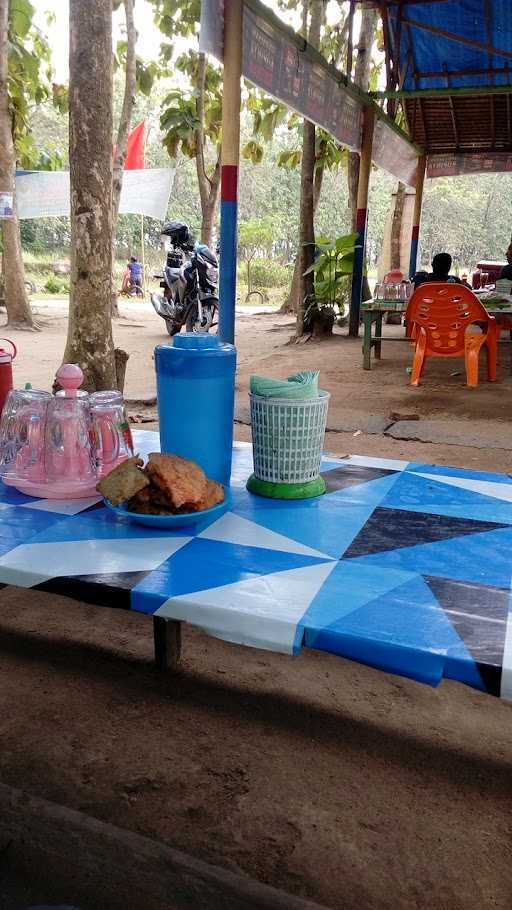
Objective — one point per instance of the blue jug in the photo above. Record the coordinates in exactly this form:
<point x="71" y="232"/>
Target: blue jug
<point x="195" y="380"/>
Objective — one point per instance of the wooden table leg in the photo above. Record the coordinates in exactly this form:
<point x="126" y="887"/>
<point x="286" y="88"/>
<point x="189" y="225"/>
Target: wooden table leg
<point x="378" y="332"/>
<point x="367" y="340"/>
<point x="167" y="637"/>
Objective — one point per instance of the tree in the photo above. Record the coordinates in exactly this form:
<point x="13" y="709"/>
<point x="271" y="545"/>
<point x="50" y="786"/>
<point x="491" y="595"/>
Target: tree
<point x="89" y="341"/>
<point x="396" y="226"/>
<point x="361" y="79"/>
<point x="123" y="130"/>
<point x="307" y="196"/>
<point x="24" y="82"/>
<point x="254" y="236"/>
<point x="18" y="308"/>
<point x="369" y="18"/>
<point x="192" y="124"/>
<point x="268" y="114"/>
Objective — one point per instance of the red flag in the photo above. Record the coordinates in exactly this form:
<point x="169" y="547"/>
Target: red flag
<point x="135" y="150"/>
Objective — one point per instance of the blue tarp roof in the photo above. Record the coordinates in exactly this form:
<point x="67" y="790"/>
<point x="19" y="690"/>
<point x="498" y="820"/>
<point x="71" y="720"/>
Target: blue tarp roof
<point x="450" y="45"/>
<point x="456" y="42"/>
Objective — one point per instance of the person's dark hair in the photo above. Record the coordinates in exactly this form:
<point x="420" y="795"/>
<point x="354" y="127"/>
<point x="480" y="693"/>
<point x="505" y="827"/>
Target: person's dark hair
<point x="441" y="264"/>
<point x="133" y="259"/>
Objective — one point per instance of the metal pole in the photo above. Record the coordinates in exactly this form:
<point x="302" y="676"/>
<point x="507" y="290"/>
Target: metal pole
<point x="418" y="200"/>
<point x="231" y="100"/>
<point x="365" y="167"/>
<point x="143" y="255"/>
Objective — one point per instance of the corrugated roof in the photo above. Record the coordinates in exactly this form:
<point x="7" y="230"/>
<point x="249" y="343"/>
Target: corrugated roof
<point x="444" y="49"/>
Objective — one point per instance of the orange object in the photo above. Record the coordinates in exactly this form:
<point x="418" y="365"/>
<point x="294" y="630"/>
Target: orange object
<point x="135" y="148"/>
<point x="393" y="277"/>
<point x="441" y="314"/>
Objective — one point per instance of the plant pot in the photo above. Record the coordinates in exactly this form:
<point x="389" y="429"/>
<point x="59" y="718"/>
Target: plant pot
<point x="321" y="322"/>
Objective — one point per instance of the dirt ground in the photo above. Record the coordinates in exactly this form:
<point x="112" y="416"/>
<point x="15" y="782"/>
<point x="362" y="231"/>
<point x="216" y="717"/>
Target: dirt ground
<point x="314" y="774"/>
<point x="319" y="776"/>
<point x="481" y="414"/>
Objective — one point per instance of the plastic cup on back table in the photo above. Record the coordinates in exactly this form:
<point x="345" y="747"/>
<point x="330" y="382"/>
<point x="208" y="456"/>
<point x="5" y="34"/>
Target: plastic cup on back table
<point x="112" y="436"/>
<point x="69" y="455"/>
<point x="22" y="433"/>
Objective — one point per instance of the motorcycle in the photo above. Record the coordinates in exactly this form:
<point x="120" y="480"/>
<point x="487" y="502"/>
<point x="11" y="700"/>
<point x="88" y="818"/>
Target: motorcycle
<point x="189" y="282"/>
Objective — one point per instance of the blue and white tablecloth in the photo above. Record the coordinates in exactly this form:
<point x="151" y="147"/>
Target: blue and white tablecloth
<point x="405" y="567"/>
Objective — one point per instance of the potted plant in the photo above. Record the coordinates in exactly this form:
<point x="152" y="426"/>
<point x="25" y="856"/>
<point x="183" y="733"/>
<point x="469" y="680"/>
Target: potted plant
<point x="334" y="262"/>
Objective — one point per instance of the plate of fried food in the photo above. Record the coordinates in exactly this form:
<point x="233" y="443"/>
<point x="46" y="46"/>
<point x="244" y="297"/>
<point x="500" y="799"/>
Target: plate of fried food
<point x="168" y="492"/>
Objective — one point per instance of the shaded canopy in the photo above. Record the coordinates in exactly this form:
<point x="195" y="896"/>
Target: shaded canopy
<point x="450" y="63"/>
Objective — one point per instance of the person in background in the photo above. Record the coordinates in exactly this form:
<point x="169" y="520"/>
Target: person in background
<point x="506" y="271"/>
<point x="441" y="265"/>
<point x="135" y="270"/>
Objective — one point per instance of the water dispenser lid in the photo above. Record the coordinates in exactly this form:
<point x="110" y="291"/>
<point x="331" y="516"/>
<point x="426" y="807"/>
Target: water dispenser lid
<point x="196" y="355"/>
<point x="193" y="341"/>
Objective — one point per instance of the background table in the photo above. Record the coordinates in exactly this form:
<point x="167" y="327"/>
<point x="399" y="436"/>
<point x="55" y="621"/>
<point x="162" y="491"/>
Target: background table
<point x="405" y="567"/>
<point x="372" y="312"/>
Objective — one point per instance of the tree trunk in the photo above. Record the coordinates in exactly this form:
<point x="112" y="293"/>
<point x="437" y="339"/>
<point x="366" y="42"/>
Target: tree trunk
<point x="361" y="79"/>
<point x="123" y="131"/>
<point x="307" y="193"/>
<point x="291" y="302"/>
<point x="90" y="340"/>
<point x="396" y="226"/>
<point x="369" y="18"/>
<point x="209" y="208"/>
<point x="208" y="186"/>
<point x="19" y="314"/>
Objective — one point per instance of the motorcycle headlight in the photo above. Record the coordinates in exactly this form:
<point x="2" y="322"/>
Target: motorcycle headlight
<point x="212" y="274"/>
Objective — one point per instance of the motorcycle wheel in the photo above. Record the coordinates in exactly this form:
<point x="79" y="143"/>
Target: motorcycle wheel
<point x="171" y="327"/>
<point x="192" y="323"/>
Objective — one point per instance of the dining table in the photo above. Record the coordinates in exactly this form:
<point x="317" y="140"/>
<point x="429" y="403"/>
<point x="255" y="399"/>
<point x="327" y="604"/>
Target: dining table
<point x="402" y="566"/>
<point x="373" y="313"/>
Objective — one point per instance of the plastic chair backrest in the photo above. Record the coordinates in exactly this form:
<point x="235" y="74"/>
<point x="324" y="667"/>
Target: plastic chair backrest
<point x="445" y="311"/>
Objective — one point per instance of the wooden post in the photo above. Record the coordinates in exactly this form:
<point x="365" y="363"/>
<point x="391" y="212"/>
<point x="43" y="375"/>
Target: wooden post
<point x="231" y="100"/>
<point x="143" y="255"/>
<point x="167" y="639"/>
<point x="365" y="167"/>
<point x="418" y="199"/>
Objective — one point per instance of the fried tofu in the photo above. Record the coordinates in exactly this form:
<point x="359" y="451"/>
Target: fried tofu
<point x="213" y="497"/>
<point x="124" y="482"/>
<point x="168" y="485"/>
<point x="150" y="501"/>
<point x="183" y="482"/>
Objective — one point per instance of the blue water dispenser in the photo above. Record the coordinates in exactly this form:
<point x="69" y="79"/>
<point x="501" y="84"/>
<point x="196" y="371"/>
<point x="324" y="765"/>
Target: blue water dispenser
<point x="195" y="379"/>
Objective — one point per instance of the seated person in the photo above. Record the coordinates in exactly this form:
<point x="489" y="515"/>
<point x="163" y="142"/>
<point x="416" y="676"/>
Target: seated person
<point x="441" y="265"/>
<point x="506" y="271"/>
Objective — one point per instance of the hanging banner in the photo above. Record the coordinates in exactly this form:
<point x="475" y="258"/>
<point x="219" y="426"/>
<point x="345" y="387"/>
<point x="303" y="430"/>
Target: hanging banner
<point x="46" y="194"/>
<point x="394" y="154"/>
<point x="211" y="35"/>
<point x="273" y="62"/>
<point x="6" y="206"/>
<point x="476" y="163"/>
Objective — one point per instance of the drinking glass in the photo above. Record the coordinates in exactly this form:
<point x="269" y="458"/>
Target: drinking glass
<point x="111" y="431"/>
<point x="22" y="433"/>
<point x="69" y="455"/>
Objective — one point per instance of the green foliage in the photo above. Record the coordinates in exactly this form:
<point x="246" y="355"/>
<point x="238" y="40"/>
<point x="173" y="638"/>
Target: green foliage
<point x="267" y="273"/>
<point x="29" y="82"/>
<point x="267" y="116"/>
<point x="56" y="285"/>
<point x="255" y="236"/>
<point x="179" y="119"/>
<point x="146" y="73"/>
<point x="334" y="262"/>
<point x="177" y="18"/>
